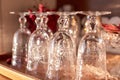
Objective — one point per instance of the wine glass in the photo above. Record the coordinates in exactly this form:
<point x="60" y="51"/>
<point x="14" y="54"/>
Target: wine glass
<point x="37" y="57"/>
<point x="91" y="59"/>
<point x="62" y="53"/>
<point x="20" y="43"/>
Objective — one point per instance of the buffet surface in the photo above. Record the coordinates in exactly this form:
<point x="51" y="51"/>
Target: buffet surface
<point x="113" y="66"/>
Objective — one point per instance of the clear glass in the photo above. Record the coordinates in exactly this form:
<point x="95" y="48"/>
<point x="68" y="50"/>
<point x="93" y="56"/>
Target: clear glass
<point x="112" y="41"/>
<point x="62" y="53"/>
<point x="38" y="44"/>
<point x="91" y="59"/>
<point x="74" y="28"/>
<point x="20" y="43"/>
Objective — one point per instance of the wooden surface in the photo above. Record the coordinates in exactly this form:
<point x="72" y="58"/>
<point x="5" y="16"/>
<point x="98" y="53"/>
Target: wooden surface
<point x="14" y="74"/>
<point x="7" y="72"/>
<point x="3" y="78"/>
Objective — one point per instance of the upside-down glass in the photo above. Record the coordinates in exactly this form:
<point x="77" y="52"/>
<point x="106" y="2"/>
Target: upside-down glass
<point x="91" y="59"/>
<point x="62" y="53"/>
<point x="20" y="43"/>
<point x="37" y="48"/>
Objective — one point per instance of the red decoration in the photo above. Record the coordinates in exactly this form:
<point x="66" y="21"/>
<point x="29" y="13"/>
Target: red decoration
<point x="52" y="19"/>
<point x="9" y="61"/>
<point x="52" y="22"/>
<point x="31" y="21"/>
<point x="111" y="28"/>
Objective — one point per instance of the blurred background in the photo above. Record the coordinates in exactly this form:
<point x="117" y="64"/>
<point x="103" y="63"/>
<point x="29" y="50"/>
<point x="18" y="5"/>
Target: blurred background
<point x="9" y="23"/>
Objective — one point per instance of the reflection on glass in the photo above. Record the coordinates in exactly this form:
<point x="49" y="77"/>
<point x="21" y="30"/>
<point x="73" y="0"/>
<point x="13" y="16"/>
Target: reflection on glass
<point x="74" y="28"/>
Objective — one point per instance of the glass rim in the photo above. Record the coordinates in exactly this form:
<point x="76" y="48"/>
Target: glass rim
<point x="95" y="13"/>
<point x="87" y="13"/>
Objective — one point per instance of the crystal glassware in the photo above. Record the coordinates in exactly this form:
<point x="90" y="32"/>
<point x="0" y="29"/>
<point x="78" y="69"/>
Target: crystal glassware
<point x="91" y="59"/>
<point x="20" y="43"/>
<point x="112" y="37"/>
<point x="62" y="53"/>
<point x="74" y="28"/>
<point x="37" y="57"/>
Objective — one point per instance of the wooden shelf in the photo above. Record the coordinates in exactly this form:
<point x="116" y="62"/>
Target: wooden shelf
<point x="19" y="74"/>
<point x="14" y="74"/>
<point x="10" y="73"/>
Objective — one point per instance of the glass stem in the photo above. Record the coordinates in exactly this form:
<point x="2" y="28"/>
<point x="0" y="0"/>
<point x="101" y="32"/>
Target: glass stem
<point x="22" y="21"/>
<point x="63" y="22"/>
<point x="41" y="22"/>
<point x="92" y="23"/>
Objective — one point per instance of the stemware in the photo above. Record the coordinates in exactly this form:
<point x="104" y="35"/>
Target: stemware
<point x="20" y="42"/>
<point x="91" y="59"/>
<point x="37" y="47"/>
<point x="62" y="53"/>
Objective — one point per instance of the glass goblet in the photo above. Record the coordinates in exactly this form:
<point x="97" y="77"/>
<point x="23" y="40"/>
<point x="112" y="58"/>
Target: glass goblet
<point x="62" y="53"/>
<point x="38" y="45"/>
<point x="91" y="59"/>
<point x="20" y="43"/>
